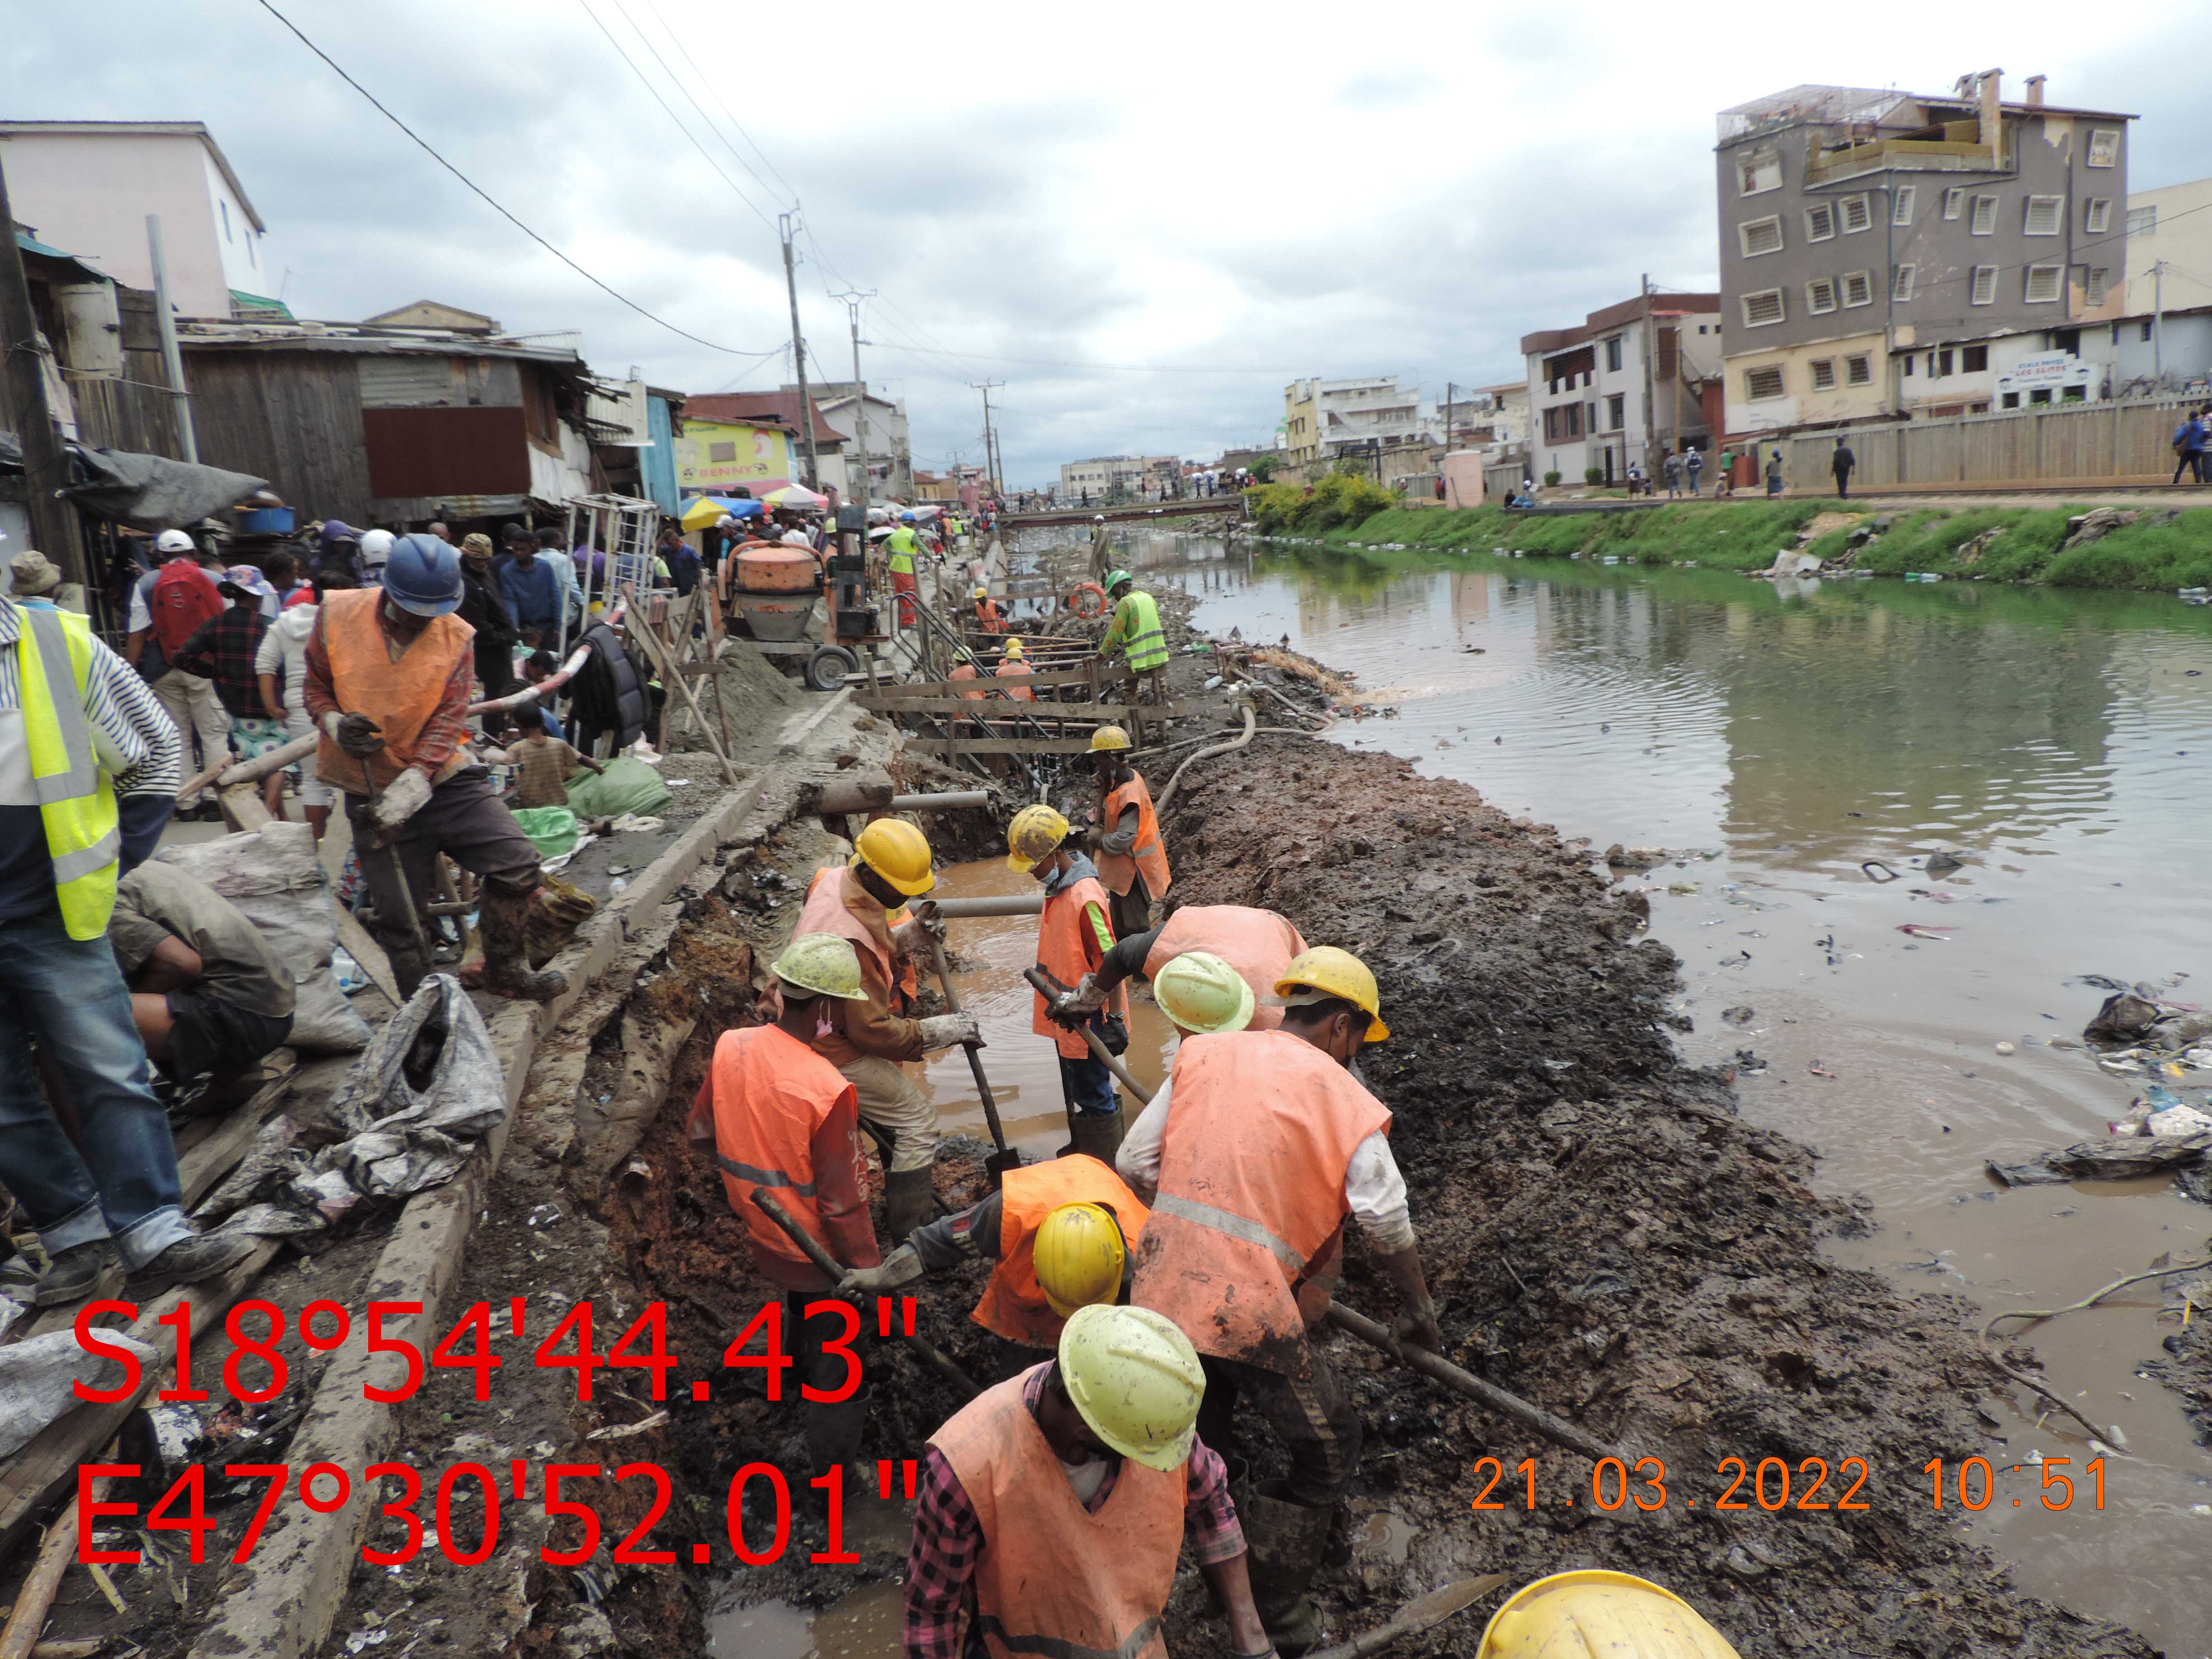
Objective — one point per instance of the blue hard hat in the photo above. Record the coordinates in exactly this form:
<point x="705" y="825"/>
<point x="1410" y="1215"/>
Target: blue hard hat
<point x="424" y="575"/>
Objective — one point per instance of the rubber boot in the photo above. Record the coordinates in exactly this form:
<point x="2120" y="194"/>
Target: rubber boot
<point x="502" y="921"/>
<point x="1286" y="1540"/>
<point x="1098" y="1134"/>
<point x="908" y="1200"/>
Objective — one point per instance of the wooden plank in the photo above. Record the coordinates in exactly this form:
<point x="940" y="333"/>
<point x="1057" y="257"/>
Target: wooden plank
<point x="1097" y="712"/>
<point x="212" y="1158"/>
<point x="1050" y="678"/>
<point x="940" y="747"/>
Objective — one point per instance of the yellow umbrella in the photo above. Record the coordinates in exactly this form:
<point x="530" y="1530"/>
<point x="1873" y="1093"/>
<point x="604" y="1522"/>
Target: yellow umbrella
<point x="703" y="513"/>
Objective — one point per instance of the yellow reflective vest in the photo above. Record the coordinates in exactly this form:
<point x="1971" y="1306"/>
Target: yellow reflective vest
<point x="900" y="544"/>
<point x="75" y="794"/>
<point x="1136" y="629"/>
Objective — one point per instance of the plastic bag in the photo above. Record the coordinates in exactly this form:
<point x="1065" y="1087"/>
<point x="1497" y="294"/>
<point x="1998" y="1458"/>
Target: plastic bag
<point x="552" y="829"/>
<point x="273" y="877"/>
<point x="432" y="1063"/>
<point x="626" y="785"/>
<point x="36" y="1375"/>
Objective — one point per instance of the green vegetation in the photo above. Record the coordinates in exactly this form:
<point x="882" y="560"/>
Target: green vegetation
<point x="2162" y="549"/>
<point x="1339" y="502"/>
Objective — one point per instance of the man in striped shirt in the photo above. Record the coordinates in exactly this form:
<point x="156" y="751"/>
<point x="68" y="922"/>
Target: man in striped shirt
<point x="105" y="1200"/>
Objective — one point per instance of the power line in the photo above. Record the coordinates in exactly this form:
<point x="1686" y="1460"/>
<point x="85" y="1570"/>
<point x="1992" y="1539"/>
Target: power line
<point x="423" y="144"/>
<point x="790" y="190"/>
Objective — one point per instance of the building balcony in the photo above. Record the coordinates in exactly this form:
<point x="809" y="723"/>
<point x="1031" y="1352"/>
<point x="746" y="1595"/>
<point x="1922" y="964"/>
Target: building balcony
<point x="1906" y="155"/>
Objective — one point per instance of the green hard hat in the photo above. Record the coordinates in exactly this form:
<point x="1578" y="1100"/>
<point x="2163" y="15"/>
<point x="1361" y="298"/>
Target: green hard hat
<point x="1117" y="577"/>
<point x="823" y="963"/>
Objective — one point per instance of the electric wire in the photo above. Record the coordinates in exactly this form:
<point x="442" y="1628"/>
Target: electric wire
<point x="790" y="191"/>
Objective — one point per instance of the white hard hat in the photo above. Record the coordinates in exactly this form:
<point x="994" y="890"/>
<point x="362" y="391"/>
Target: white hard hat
<point x="375" y="548"/>
<point x="172" y="541"/>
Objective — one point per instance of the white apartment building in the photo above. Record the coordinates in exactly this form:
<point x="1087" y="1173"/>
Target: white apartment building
<point x="1590" y="401"/>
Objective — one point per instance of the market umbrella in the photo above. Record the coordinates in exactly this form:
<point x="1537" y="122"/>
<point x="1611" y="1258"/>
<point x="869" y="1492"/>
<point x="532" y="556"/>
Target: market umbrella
<point x="707" y="511"/>
<point x="795" y="495"/>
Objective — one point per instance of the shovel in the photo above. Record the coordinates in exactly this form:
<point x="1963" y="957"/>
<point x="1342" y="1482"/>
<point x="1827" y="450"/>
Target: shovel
<point x="406" y="892"/>
<point x="1006" y="1158"/>
<point x="1425" y="1614"/>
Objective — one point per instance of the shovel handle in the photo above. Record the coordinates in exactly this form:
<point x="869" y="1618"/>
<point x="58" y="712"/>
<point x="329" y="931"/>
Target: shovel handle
<point x="974" y="1060"/>
<point x="1043" y="987"/>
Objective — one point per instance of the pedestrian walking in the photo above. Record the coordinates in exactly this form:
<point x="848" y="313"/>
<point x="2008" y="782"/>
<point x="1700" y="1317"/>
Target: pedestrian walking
<point x="1724" y="480"/>
<point x="1693" y="463"/>
<point x="1673" y="467"/>
<point x="166" y="608"/>
<point x="1841" y="464"/>
<point x="1774" y="476"/>
<point x="2189" y="448"/>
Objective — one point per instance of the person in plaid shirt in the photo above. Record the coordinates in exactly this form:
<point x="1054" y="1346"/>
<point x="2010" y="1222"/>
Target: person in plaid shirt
<point x="1006" y="1556"/>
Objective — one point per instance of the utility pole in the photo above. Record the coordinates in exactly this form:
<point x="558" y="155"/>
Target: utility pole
<point x="1448" y="389"/>
<point x="786" y="223"/>
<point x="23" y="395"/>
<point x="852" y="297"/>
<point x="1649" y="460"/>
<point x="2158" y="320"/>
<point x="990" y="438"/>
<point x="172" y="359"/>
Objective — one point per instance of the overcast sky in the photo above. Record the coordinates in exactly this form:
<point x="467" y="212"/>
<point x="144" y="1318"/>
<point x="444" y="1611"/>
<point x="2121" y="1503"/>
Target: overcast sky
<point x="1143" y="219"/>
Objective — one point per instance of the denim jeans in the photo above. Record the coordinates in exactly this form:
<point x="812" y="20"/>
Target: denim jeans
<point x="68" y="994"/>
<point x="1089" y="1085"/>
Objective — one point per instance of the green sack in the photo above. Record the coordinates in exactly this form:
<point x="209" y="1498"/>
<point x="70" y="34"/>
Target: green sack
<point x="552" y="829"/>
<point x="627" y="784"/>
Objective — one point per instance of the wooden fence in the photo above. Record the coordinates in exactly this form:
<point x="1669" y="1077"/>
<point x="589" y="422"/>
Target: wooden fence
<point x="2058" y="445"/>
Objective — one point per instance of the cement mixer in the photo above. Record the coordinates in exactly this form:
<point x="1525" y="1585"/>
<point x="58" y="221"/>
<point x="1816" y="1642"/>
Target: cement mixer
<point x="773" y="590"/>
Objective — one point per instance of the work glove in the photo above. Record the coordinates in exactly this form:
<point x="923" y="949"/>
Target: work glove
<point x="947" y="1030"/>
<point x="901" y="1267"/>
<point x="1085" y="1000"/>
<point x="402" y="798"/>
<point x="1419" y="1326"/>
<point x="358" y="735"/>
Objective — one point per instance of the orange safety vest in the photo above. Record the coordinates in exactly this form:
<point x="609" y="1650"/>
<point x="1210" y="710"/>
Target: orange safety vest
<point x="1067" y="948"/>
<point x="988" y="619"/>
<point x="1052" y="1578"/>
<point x="1149" y="855"/>
<point x="399" y="697"/>
<point x="1013" y="1304"/>
<point x="828" y="910"/>
<point x="772" y="1093"/>
<point x="1014" y="668"/>
<point x="966" y="670"/>
<point x="1258" y="944"/>
<point x="1260" y="1129"/>
<point x="909" y="980"/>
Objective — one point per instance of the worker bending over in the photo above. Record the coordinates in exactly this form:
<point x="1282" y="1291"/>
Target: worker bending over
<point x="890" y="865"/>
<point x="1060" y="1233"/>
<point x="389" y="671"/>
<point x="1258" y="944"/>
<point x="779" y="1117"/>
<point x="1054" y="1506"/>
<point x="1073" y="936"/>
<point x="987" y="617"/>
<point x="1135" y="632"/>
<point x="1133" y="859"/>
<point x="1015" y="666"/>
<point x="1266" y="1143"/>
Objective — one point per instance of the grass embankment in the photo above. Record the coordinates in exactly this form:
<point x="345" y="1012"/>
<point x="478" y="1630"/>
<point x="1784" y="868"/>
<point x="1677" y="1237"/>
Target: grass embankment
<point x="2163" y="549"/>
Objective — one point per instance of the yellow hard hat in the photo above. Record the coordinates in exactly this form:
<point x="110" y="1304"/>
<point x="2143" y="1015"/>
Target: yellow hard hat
<point x="981" y="594"/>
<point x="897" y="852"/>
<point x="1597" y="1614"/>
<point x="823" y="963"/>
<point x="1035" y="834"/>
<point x="1135" y="1378"/>
<point x="1108" y="737"/>
<point x="1079" y="1252"/>
<point x="1015" y="647"/>
<point x="1339" y="974"/>
<point x="1201" y="993"/>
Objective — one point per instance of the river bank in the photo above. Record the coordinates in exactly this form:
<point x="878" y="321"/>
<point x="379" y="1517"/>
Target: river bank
<point x="2155" y="549"/>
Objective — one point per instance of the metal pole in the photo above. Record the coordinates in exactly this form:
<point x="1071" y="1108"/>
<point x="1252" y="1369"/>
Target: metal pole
<point x="2158" y="321"/>
<point x="853" y="299"/>
<point x="798" y="354"/>
<point x="23" y="385"/>
<point x="1648" y="460"/>
<point x="171" y="359"/>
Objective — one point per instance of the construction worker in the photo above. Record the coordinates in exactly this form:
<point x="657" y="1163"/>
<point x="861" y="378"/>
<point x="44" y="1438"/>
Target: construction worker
<point x="964" y="668"/>
<point x="1259" y="945"/>
<point x="1265" y="1142"/>
<point x="1133" y="859"/>
<point x="1597" y="1611"/>
<point x="778" y="1117"/>
<point x="1053" y="1507"/>
<point x="1136" y="632"/>
<point x="1073" y="936"/>
<point x="389" y="672"/>
<point x="899" y="549"/>
<point x="1015" y="666"/>
<point x="1061" y="1233"/>
<point x="890" y="866"/>
<point x="987" y="611"/>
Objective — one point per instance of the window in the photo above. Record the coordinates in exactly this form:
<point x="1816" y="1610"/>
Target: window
<point x="2143" y="221"/>
<point x="1616" y="411"/>
<point x="1759" y="174"/>
<point x="1824" y="373"/>
<point x="1954" y="202"/>
<point x="2010" y="400"/>
<point x="1984" y="221"/>
<point x="1858" y="288"/>
<point x="1858" y="370"/>
<point x="1763" y="308"/>
<point x="1939" y="364"/>
<point x="1819" y="222"/>
<point x="1900" y="212"/>
<point x="2097" y="215"/>
<point x="2145" y="336"/>
<point x="2044" y="215"/>
<point x="721" y="452"/>
<point x="223" y="208"/>
<point x="2074" y="394"/>
<point x="1763" y="382"/>
<point x="2104" y="147"/>
<point x="1908" y="360"/>
<point x="1900" y="287"/>
<point x="2041" y="395"/>
<point x="1974" y="360"/>
<point x="2044" y="284"/>
<point x="1613" y="354"/>
<point x="1760" y="236"/>
<point x="2100" y="282"/>
<point x="1820" y="295"/>
<point x="1985" y="289"/>
<point x="1856" y="215"/>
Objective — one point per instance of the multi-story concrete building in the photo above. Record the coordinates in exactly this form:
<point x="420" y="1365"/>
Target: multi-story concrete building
<point x="876" y="427"/>
<point x="1136" y="476"/>
<point x="2164" y="342"/>
<point x="1885" y="254"/>
<point x="1369" y="415"/>
<point x="1594" y="402"/>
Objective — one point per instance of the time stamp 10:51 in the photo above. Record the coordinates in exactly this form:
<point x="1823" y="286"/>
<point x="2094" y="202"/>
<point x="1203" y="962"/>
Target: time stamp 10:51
<point x="1774" y="1484"/>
